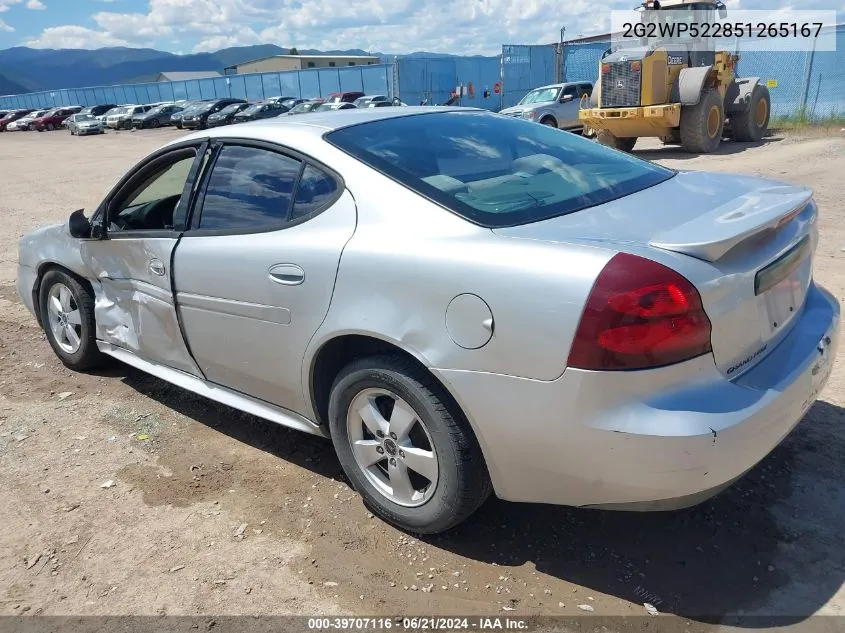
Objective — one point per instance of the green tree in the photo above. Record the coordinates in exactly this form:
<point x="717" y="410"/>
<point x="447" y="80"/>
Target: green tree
<point x="293" y="51"/>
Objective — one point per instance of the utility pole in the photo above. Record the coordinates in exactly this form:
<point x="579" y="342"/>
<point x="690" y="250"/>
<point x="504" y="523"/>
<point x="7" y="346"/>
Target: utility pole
<point x="560" y="71"/>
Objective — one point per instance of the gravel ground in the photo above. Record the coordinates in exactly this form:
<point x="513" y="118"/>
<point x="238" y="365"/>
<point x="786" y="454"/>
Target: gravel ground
<point x="123" y="495"/>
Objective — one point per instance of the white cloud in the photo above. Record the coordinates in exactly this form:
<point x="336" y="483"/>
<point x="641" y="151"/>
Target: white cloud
<point x="71" y="36"/>
<point x="5" y="5"/>
<point x="36" y="5"/>
<point x="393" y="26"/>
<point x="5" y="27"/>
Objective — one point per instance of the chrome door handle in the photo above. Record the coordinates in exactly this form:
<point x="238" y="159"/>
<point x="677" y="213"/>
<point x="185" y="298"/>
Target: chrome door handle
<point x="157" y="267"/>
<point x="287" y="274"/>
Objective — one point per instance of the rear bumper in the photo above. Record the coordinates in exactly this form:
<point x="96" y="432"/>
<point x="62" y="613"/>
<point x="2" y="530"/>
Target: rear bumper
<point x="648" y="440"/>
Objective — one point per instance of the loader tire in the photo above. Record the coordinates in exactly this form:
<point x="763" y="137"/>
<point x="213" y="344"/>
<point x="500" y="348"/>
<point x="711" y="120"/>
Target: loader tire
<point x="702" y="124"/>
<point x="608" y="138"/>
<point x="751" y="125"/>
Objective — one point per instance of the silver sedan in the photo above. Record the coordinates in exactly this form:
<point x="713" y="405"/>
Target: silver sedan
<point x="464" y="302"/>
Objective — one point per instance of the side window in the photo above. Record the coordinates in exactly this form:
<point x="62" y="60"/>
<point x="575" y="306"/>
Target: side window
<point x="248" y="188"/>
<point x="570" y="90"/>
<point x="586" y="89"/>
<point x="151" y="204"/>
<point x="314" y="190"/>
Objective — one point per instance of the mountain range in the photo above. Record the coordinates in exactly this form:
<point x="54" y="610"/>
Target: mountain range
<point x="24" y="69"/>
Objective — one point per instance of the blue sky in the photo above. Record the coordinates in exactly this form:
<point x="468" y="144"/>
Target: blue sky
<point x="394" y="26"/>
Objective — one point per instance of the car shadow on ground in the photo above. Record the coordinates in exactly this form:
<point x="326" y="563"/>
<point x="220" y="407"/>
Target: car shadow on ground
<point x="722" y="561"/>
<point x="719" y="562"/>
<point x="726" y="148"/>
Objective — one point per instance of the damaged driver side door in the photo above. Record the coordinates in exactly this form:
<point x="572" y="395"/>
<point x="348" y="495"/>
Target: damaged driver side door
<point x="142" y="221"/>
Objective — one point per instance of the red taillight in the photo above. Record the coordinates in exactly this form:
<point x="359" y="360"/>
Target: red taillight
<point x="640" y="314"/>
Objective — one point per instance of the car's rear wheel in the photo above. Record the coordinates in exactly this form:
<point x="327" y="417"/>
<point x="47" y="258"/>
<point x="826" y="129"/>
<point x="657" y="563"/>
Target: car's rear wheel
<point x="156" y="123"/>
<point x="405" y="446"/>
<point x="67" y="316"/>
<point x="50" y="127"/>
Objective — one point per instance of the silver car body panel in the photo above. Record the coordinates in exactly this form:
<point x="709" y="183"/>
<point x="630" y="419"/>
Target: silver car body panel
<point x="492" y="314"/>
<point x="565" y="115"/>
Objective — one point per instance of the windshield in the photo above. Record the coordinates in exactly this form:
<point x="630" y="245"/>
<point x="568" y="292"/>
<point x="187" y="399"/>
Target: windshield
<point x="256" y="107"/>
<point x="302" y="107"/>
<point x="83" y="117"/>
<point x="235" y="107"/>
<point x="205" y="107"/>
<point x="288" y="103"/>
<point x="540" y="95"/>
<point x="497" y="171"/>
<point x="118" y="111"/>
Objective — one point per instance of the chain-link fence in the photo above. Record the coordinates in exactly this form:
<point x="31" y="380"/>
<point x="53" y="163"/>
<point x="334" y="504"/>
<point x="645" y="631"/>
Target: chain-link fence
<point x="305" y="84"/>
<point x="525" y="67"/>
<point x="803" y="85"/>
<point x="433" y="80"/>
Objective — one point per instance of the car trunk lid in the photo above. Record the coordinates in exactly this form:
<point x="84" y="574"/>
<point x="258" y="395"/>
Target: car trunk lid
<point x="753" y="239"/>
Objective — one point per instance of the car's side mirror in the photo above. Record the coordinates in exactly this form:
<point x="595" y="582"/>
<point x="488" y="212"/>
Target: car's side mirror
<point x="566" y="98"/>
<point x="78" y="225"/>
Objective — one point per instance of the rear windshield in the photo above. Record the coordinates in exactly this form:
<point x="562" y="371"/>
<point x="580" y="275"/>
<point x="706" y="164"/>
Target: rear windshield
<point x="495" y="170"/>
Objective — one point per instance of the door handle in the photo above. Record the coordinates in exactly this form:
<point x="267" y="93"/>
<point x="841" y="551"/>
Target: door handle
<point x="157" y="267"/>
<point x="287" y="274"/>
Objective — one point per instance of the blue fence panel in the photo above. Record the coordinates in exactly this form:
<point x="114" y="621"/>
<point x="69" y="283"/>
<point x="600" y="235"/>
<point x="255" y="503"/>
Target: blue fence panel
<point x="289" y="84"/>
<point x="480" y="74"/>
<point x="179" y="91"/>
<point x="525" y="68"/>
<point x="412" y="79"/>
<point x="237" y="87"/>
<point x="329" y="81"/>
<point x="352" y="80"/>
<point x="206" y="88"/>
<point x="310" y="84"/>
<point x="254" y="87"/>
<point x="826" y="86"/>
<point x="270" y="85"/>
<point x="221" y="87"/>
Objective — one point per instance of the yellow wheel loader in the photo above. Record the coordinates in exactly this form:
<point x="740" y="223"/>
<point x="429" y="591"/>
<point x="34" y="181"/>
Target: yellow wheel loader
<point x="676" y="88"/>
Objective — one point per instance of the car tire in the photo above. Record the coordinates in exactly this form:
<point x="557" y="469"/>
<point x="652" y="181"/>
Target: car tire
<point x="703" y="124"/>
<point x="156" y="123"/>
<point x="74" y="311"/>
<point x="456" y="481"/>
<point x="548" y="120"/>
<point x="50" y="127"/>
<point x="751" y="125"/>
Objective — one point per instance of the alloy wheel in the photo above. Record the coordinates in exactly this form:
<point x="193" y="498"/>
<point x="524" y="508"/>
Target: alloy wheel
<point x="392" y="447"/>
<point x="64" y="317"/>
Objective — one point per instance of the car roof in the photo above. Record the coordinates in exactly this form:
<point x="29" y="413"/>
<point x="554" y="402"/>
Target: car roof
<point x="285" y="130"/>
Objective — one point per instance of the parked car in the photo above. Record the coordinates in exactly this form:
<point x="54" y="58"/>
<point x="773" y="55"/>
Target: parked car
<point x="98" y="110"/>
<point x="280" y="99"/>
<point x="155" y="117"/>
<point x="344" y="97"/>
<point x="11" y="117"/>
<point x="386" y="104"/>
<point x="258" y="111"/>
<point x="304" y="108"/>
<point x="363" y="102"/>
<point x="53" y="119"/>
<point x="198" y="118"/>
<point x="337" y="105"/>
<point x="556" y="105"/>
<point x="188" y="108"/>
<point x="226" y="116"/>
<point x="84" y="124"/>
<point x="24" y="123"/>
<point x="121" y="119"/>
<point x="539" y="326"/>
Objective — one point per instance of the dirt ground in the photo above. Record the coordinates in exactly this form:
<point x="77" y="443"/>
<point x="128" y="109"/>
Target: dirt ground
<point x="215" y="512"/>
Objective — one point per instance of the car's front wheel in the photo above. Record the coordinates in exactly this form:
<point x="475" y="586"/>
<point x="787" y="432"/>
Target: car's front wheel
<point x="67" y="315"/>
<point x="405" y="446"/>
